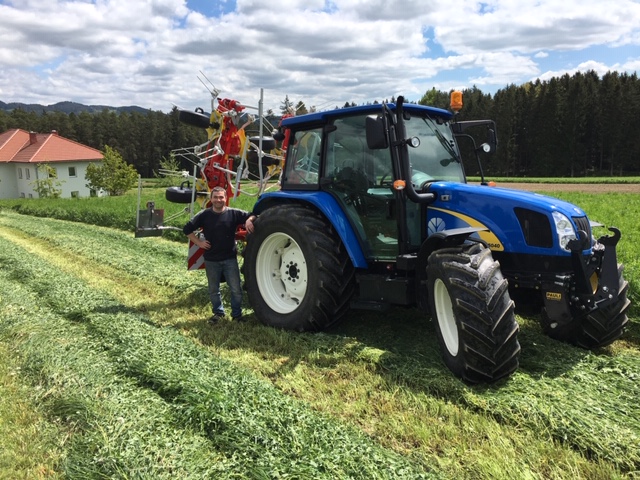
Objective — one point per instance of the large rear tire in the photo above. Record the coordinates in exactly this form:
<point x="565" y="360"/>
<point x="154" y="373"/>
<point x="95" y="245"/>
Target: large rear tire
<point x="297" y="272"/>
<point x="473" y="313"/>
<point x="596" y="329"/>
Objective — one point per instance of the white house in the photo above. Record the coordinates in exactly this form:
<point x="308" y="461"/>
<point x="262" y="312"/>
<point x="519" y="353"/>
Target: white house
<point x="22" y="152"/>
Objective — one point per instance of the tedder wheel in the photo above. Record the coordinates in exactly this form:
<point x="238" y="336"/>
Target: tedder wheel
<point x="181" y="194"/>
<point x="198" y="118"/>
<point x="473" y="313"/>
<point x="268" y="144"/>
<point x="598" y="328"/>
<point x="297" y="272"/>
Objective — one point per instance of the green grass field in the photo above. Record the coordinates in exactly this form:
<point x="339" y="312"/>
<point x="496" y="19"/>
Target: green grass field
<point x="575" y="180"/>
<point x="109" y="370"/>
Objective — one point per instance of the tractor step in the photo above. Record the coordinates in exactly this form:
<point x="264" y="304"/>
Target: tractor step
<point x="370" y="305"/>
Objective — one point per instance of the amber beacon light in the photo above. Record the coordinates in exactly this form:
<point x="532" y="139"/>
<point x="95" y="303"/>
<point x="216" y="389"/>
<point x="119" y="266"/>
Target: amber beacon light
<point x="456" y="100"/>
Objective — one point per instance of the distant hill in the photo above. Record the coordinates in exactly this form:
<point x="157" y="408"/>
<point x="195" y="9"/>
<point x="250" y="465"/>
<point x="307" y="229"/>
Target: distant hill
<point x="69" y="107"/>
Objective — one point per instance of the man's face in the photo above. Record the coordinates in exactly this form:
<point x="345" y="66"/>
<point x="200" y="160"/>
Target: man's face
<point x="218" y="200"/>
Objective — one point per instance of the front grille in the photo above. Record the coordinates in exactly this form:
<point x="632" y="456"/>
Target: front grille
<point x="583" y="224"/>
<point x="536" y="228"/>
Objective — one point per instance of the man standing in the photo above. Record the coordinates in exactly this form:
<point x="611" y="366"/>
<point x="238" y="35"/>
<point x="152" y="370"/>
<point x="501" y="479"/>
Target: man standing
<point x="218" y="225"/>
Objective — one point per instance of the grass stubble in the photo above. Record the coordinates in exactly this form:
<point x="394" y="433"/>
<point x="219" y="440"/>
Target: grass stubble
<point x="566" y="413"/>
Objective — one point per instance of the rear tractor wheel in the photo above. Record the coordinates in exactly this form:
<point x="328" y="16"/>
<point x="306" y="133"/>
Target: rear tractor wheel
<point x="297" y="273"/>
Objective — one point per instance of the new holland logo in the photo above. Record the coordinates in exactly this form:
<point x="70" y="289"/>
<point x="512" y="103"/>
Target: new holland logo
<point x="554" y="296"/>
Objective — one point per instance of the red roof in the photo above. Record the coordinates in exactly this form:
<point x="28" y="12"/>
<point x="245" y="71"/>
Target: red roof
<point x="18" y="145"/>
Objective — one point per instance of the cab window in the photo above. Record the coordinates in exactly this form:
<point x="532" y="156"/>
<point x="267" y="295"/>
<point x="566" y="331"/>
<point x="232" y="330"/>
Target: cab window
<point x="303" y="158"/>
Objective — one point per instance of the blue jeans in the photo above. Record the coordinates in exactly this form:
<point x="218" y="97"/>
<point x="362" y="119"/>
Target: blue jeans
<point x="231" y="272"/>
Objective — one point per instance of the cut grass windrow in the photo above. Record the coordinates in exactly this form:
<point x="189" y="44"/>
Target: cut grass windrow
<point x="145" y="402"/>
<point x="29" y="444"/>
<point x="566" y="413"/>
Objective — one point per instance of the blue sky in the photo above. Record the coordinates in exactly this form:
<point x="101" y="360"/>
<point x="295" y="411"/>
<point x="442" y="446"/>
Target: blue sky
<point x="157" y="53"/>
<point x="212" y="8"/>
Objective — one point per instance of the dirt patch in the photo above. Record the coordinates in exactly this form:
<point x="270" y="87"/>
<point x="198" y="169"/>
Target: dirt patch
<point x="575" y="187"/>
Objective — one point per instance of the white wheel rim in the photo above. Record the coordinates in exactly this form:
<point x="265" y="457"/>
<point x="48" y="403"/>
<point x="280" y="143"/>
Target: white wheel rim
<point x="445" y="317"/>
<point x="281" y="273"/>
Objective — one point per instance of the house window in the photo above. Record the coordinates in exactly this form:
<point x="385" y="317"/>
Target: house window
<point x="31" y="195"/>
<point x="20" y="173"/>
<point x="53" y="173"/>
<point x="75" y="194"/>
<point x="22" y="195"/>
<point x="72" y="171"/>
<point x="28" y="172"/>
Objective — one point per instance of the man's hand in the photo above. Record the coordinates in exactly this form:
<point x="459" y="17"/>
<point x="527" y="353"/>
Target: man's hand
<point x="204" y="244"/>
<point x="248" y="225"/>
<point x="198" y="242"/>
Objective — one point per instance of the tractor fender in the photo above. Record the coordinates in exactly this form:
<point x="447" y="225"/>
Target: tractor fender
<point x="442" y="239"/>
<point x="447" y="238"/>
<point x="326" y="204"/>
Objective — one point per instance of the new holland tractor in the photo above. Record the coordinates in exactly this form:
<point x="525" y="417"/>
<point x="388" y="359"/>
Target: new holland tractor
<point x="374" y="210"/>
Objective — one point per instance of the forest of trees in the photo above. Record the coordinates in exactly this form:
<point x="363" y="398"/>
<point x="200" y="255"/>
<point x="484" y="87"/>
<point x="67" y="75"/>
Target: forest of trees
<point x="579" y="125"/>
<point x="142" y="139"/>
<point x="570" y="126"/>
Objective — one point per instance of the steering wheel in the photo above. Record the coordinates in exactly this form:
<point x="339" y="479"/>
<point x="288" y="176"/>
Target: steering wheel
<point x="383" y="181"/>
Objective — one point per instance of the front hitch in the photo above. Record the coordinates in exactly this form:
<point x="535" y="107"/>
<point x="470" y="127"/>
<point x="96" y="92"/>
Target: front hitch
<point x="596" y="276"/>
<point x="594" y="283"/>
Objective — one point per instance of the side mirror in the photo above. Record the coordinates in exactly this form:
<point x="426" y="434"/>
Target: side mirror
<point x="376" y="132"/>
<point x="492" y="143"/>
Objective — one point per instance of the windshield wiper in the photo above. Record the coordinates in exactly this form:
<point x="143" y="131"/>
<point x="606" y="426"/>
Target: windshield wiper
<point x="443" y="141"/>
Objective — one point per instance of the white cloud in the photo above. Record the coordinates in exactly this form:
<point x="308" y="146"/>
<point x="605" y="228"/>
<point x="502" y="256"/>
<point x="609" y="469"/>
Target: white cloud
<point x="598" y="67"/>
<point x="530" y="25"/>
<point x="150" y="53"/>
<point x="632" y="65"/>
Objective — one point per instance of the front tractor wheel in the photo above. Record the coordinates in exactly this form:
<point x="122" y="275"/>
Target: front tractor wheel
<point x="297" y="272"/>
<point x="598" y="328"/>
<point x="473" y="313"/>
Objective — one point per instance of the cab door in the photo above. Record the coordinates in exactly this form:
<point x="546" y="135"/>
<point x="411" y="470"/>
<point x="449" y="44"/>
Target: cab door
<point x="361" y="180"/>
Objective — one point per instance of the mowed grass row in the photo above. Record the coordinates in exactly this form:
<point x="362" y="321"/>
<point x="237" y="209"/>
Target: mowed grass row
<point x="566" y="414"/>
<point x="119" y="211"/>
<point x="574" y="180"/>
<point x="135" y="400"/>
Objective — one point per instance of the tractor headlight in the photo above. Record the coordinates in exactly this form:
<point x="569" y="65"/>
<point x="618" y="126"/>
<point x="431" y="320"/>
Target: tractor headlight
<point x="564" y="229"/>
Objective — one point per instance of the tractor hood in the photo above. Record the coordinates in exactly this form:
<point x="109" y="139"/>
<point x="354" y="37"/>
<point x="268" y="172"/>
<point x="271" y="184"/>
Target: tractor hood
<point x="512" y="196"/>
<point x="516" y="221"/>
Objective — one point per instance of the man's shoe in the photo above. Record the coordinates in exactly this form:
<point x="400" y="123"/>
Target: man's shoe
<point x="239" y="319"/>
<point x="215" y="318"/>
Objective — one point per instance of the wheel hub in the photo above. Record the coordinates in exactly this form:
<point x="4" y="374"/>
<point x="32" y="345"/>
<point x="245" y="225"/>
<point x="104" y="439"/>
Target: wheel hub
<point x="290" y="271"/>
<point x="293" y="271"/>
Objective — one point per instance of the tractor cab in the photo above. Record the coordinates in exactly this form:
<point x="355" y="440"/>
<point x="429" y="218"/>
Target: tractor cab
<point x="354" y="156"/>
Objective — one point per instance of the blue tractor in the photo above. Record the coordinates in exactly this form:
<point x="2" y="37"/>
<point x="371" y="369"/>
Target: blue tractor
<point x="375" y="210"/>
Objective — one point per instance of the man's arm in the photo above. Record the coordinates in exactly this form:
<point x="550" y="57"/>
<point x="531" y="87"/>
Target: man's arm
<point x="248" y="224"/>
<point x="204" y="244"/>
<point x="190" y="230"/>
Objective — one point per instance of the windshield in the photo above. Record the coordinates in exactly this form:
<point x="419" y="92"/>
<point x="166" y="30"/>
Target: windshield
<point x="437" y="157"/>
